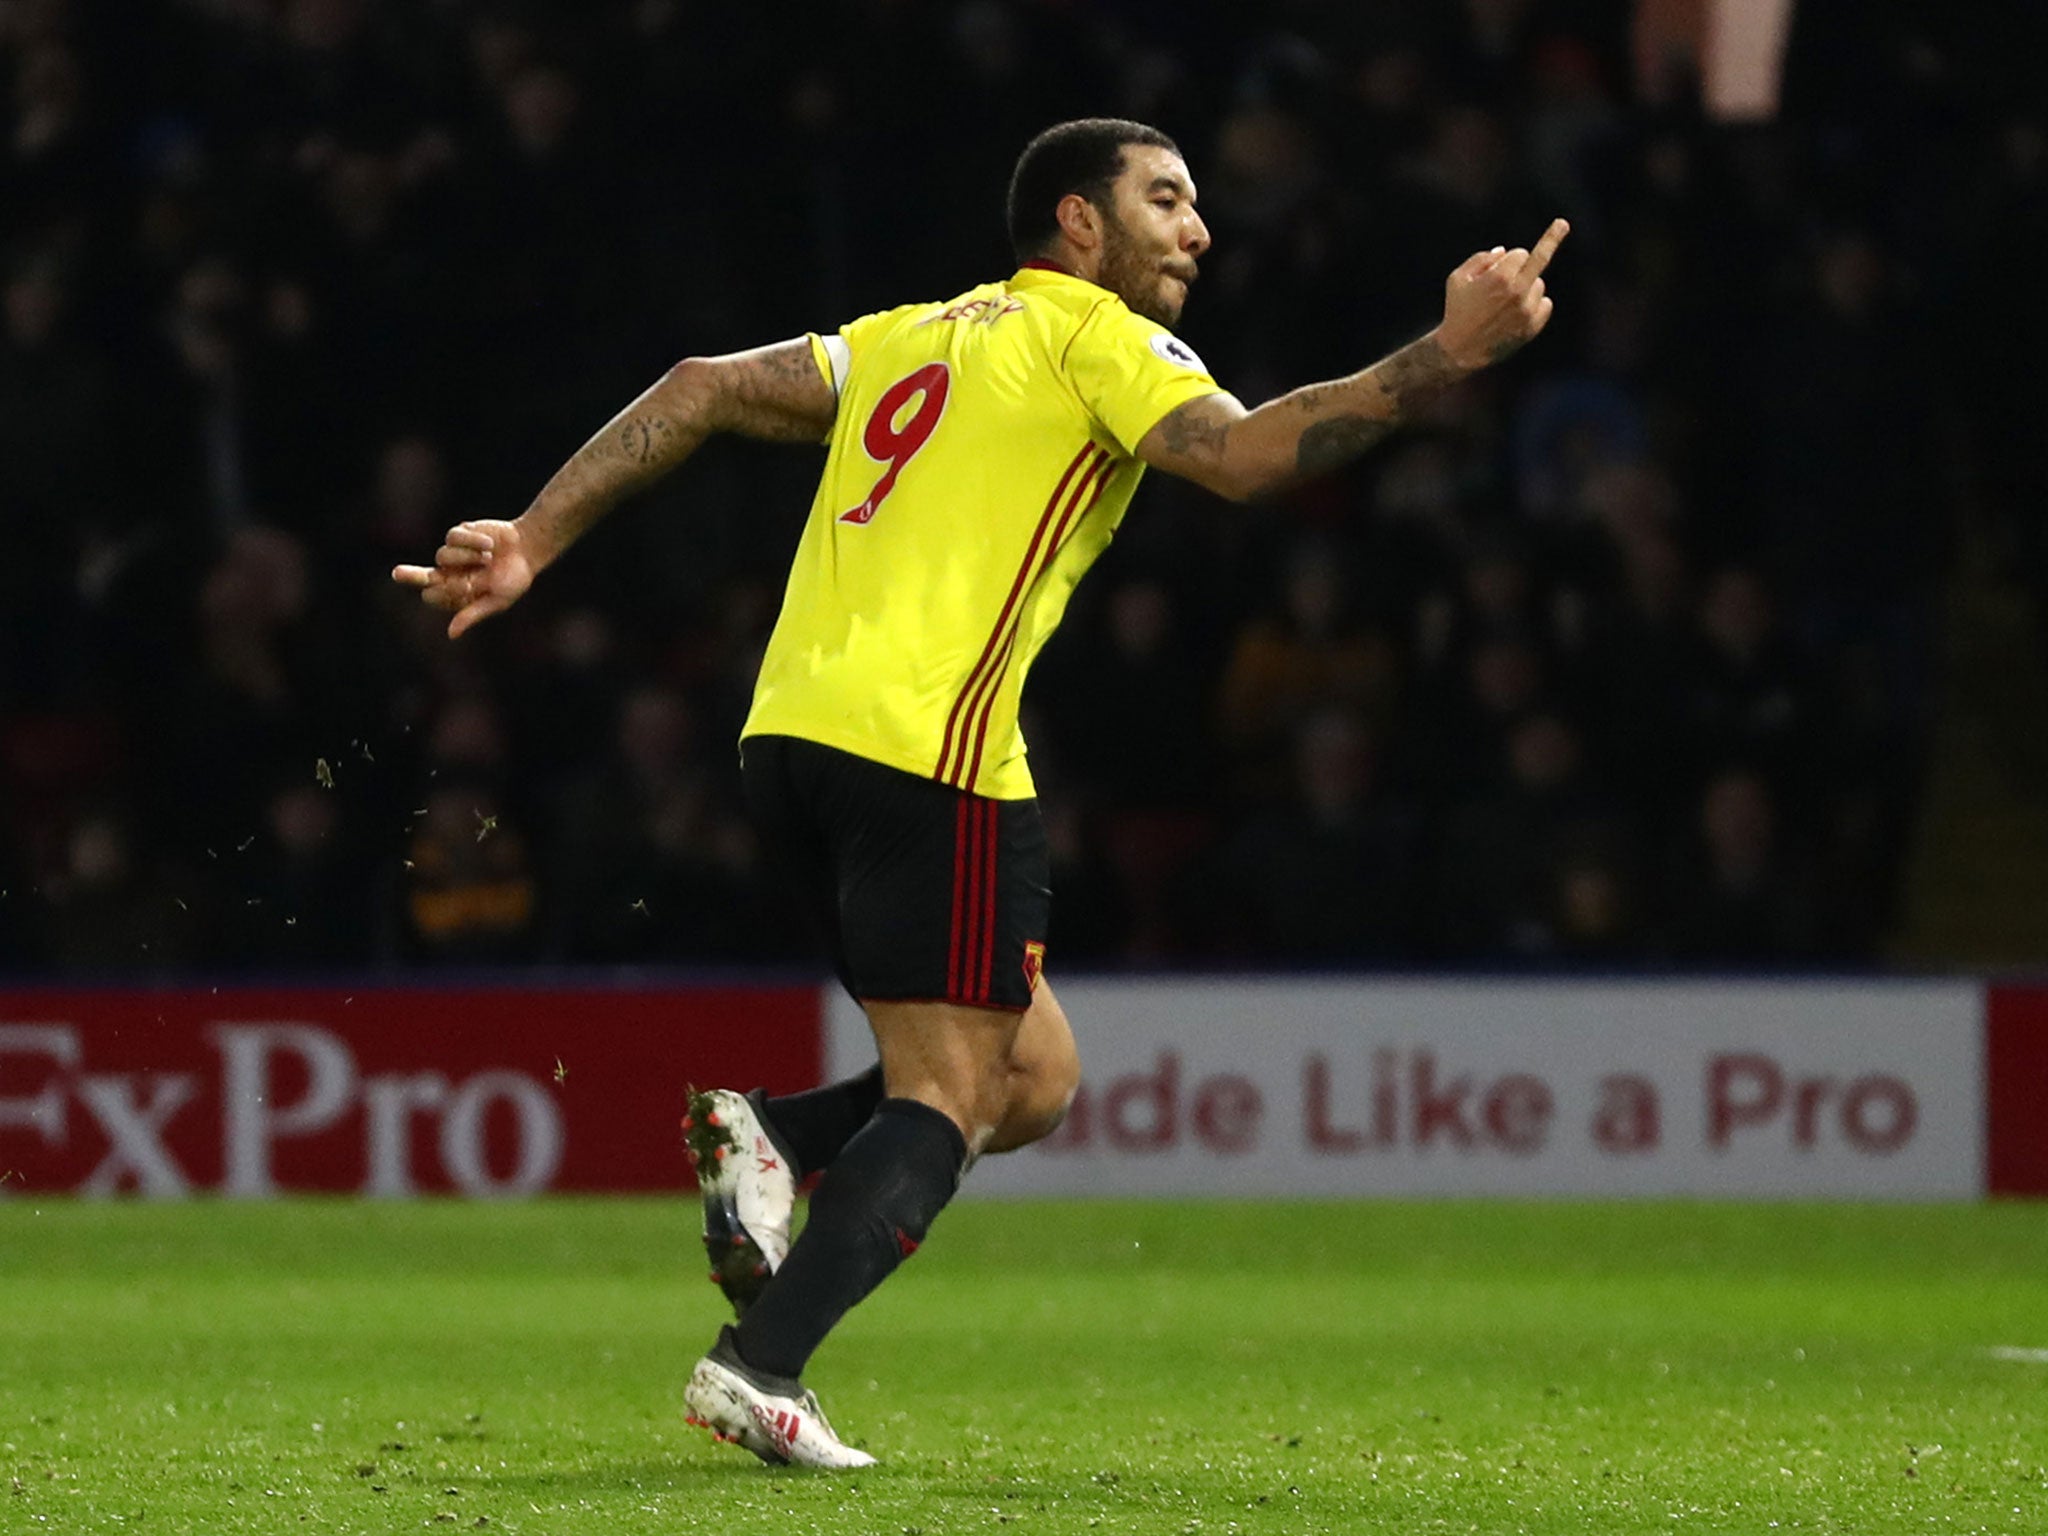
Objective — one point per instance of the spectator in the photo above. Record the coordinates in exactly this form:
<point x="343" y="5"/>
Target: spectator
<point x="1330" y="874"/>
<point x="248" y="717"/>
<point x="1134" y="719"/>
<point x="1639" y="652"/>
<point x="1746" y="697"/>
<point x="1743" y="894"/>
<point x="653" y="865"/>
<point x="55" y="404"/>
<point x="1309" y="657"/>
<point x="471" y="893"/>
<point x="109" y="911"/>
<point x="1596" y="912"/>
<point x="298" y="898"/>
<point x="1848" y="468"/>
<point x="1500" y="872"/>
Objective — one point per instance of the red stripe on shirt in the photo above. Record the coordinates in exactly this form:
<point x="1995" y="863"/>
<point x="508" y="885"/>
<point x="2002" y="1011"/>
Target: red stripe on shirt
<point x="985" y="707"/>
<point x="946" y="770"/>
<point x="983" y="703"/>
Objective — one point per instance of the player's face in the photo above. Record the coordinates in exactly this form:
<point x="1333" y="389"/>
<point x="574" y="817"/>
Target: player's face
<point x="1152" y="234"/>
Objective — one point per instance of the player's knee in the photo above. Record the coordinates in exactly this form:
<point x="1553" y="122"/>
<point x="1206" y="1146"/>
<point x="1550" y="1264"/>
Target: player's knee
<point x="984" y="1106"/>
<point x="1043" y="1096"/>
<point x="1056" y="1094"/>
<point x="1052" y="1113"/>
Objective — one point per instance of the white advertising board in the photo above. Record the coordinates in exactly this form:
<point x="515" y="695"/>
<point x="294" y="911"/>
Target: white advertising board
<point x="1743" y="1089"/>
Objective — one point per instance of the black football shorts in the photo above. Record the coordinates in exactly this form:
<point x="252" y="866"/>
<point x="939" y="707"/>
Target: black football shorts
<point x="921" y="891"/>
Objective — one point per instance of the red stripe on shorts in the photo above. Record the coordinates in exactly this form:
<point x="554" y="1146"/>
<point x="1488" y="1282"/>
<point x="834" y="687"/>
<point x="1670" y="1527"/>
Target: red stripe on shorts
<point x="959" y="898"/>
<point x="988" y="937"/>
<point x="977" y="905"/>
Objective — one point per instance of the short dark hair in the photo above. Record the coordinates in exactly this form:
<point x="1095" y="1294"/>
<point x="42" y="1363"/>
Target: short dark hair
<point x="1084" y="156"/>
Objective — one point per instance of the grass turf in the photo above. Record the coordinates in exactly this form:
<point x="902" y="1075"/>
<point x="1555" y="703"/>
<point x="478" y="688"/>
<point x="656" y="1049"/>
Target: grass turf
<point x="1053" y="1368"/>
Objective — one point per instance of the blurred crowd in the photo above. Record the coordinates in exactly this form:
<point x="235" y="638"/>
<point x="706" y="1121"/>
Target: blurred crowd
<point x="1624" y="658"/>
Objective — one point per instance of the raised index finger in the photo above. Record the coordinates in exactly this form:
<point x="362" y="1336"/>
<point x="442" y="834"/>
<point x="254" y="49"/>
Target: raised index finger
<point x="1544" y="249"/>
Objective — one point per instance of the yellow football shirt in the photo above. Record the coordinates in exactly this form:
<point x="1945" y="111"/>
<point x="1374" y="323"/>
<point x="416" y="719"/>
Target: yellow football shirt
<point x="983" y="455"/>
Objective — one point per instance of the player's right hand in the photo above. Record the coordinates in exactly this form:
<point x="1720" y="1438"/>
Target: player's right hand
<point x="1494" y="303"/>
<point x="480" y="569"/>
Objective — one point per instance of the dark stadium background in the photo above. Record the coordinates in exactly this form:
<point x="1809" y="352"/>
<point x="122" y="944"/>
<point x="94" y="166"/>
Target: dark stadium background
<point x="1703" y="635"/>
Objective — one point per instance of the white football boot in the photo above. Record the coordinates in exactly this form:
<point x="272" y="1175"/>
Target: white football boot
<point x="748" y="1186"/>
<point x="777" y="1420"/>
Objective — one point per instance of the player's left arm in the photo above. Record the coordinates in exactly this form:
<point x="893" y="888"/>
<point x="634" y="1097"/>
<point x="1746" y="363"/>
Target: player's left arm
<point x="777" y="393"/>
<point x="1494" y="304"/>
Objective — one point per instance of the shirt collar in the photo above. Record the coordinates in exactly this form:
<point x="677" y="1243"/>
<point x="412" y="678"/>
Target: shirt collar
<point x="1039" y="270"/>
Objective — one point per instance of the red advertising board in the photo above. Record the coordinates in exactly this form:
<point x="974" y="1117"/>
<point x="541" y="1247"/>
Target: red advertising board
<point x="477" y="1091"/>
<point x="2016" y="1090"/>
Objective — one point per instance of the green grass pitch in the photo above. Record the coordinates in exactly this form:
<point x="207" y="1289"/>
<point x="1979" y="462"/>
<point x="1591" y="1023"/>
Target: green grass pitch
<point x="1195" y="1368"/>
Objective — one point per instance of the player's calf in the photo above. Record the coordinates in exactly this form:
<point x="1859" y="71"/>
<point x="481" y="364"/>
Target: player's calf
<point x="870" y="1212"/>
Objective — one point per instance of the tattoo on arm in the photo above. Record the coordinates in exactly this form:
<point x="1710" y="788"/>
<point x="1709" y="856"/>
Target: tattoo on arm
<point x="645" y="437"/>
<point x="1337" y="440"/>
<point x="772" y="392"/>
<point x="791" y="362"/>
<point x="1196" y="430"/>
<point x="777" y="393"/>
<point x="1243" y="455"/>
<point x="1415" y="373"/>
<point x="1405" y="381"/>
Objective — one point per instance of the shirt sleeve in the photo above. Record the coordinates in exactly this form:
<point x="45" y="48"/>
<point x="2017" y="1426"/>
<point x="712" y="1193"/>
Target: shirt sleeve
<point x="836" y="351"/>
<point x="1130" y="372"/>
<point x="834" y="357"/>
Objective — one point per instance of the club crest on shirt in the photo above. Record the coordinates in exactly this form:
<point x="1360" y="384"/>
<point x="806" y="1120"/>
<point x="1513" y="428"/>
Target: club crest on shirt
<point x="1034" y="963"/>
<point x="1177" y="352"/>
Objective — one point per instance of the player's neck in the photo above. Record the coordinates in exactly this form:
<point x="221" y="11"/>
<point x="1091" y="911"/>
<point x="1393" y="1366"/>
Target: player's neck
<point x="1065" y="264"/>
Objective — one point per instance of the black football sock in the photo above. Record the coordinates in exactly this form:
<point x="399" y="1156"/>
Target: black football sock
<point x="869" y="1214"/>
<point x="814" y="1125"/>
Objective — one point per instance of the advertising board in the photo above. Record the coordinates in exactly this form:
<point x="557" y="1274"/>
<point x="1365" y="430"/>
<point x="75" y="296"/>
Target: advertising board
<point x="488" y="1092"/>
<point x="1782" y="1090"/>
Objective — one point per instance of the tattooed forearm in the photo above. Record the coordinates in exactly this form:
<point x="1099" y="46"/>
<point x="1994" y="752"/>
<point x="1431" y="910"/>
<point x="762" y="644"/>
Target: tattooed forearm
<point x="1415" y="374"/>
<point x="1243" y="455"/>
<point x="1336" y="440"/>
<point x="646" y="438"/>
<point x="1400" y="385"/>
<point x="774" y="392"/>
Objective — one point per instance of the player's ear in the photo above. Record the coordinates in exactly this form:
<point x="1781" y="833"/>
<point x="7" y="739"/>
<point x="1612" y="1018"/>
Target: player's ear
<point x="1080" y="221"/>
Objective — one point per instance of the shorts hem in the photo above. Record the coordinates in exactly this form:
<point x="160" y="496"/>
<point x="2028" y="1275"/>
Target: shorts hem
<point x="950" y="1002"/>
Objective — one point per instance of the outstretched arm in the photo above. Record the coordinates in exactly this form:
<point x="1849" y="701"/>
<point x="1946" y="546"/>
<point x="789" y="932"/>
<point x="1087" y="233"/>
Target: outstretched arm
<point x="774" y="393"/>
<point x="1493" y="304"/>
